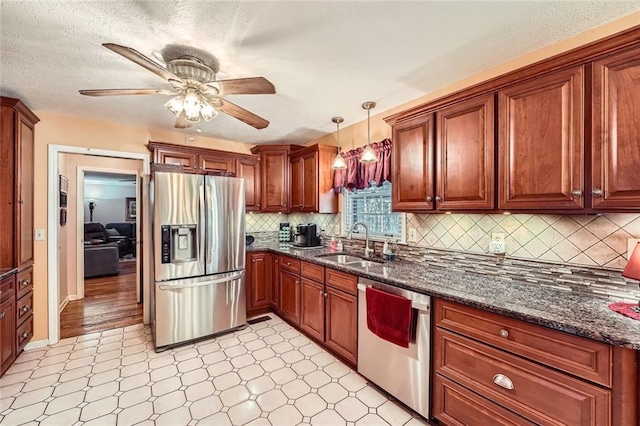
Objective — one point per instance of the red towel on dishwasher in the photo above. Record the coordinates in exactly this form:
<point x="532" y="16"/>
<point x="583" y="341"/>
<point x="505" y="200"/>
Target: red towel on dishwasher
<point x="389" y="316"/>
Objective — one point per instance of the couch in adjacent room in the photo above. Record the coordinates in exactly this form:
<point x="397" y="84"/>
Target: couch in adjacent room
<point x="101" y="259"/>
<point x="125" y="229"/>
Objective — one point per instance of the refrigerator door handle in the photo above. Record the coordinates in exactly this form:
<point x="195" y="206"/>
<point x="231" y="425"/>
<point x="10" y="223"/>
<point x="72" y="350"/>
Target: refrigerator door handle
<point x="226" y="278"/>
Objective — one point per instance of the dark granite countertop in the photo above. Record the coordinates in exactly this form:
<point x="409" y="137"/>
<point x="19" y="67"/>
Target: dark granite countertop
<point x="575" y="313"/>
<point x="6" y="272"/>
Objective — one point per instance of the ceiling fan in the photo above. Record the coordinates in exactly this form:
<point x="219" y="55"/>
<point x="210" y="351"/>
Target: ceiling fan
<point x="192" y="73"/>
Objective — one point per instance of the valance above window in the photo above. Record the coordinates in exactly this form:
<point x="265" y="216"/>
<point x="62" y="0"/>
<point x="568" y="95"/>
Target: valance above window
<point x="359" y="175"/>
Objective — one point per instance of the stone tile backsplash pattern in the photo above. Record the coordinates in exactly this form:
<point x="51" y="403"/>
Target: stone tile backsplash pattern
<point x="596" y="240"/>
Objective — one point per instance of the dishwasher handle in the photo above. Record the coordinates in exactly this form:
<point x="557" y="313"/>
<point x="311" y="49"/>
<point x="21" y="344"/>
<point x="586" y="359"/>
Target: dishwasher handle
<point x="414" y="304"/>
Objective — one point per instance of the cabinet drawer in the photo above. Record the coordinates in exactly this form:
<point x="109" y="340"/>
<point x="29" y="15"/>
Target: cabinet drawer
<point x="312" y="271"/>
<point x="24" y="307"/>
<point x="342" y="281"/>
<point x="24" y="282"/>
<point x="537" y="393"/>
<point x="24" y="333"/>
<point x="576" y="355"/>
<point x="456" y="405"/>
<point x="7" y="287"/>
<point x="290" y="263"/>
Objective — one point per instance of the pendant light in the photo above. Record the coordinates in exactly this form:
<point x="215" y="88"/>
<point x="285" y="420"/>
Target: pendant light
<point x="339" y="162"/>
<point x="368" y="155"/>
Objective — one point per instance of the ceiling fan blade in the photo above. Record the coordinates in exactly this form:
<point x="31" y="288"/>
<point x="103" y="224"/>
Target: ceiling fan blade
<point x="143" y="61"/>
<point x="241" y="114"/>
<point x="182" y="122"/>
<point x="120" y="92"/>
<point x="246" y="86"/>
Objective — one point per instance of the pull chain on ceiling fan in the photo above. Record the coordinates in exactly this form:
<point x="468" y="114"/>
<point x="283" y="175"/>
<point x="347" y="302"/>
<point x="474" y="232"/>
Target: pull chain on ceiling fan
<point x="198" y="93"/>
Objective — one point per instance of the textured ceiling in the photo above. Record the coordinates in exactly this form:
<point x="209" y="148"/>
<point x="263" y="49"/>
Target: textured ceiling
<point x="325" y="58"/>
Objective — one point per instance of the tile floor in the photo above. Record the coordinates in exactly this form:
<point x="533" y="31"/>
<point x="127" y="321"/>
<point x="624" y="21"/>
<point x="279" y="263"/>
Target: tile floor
<point x="266" y="374"/>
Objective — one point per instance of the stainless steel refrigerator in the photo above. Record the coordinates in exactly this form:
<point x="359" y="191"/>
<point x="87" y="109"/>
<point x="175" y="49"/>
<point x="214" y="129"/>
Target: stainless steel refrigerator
<point x="199" y="256"/>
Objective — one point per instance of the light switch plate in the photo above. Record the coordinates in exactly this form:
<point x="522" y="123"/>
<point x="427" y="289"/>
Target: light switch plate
<point x="413" y="235"/>
<point x="39" y="235"/>
<point x="631" y="245"/>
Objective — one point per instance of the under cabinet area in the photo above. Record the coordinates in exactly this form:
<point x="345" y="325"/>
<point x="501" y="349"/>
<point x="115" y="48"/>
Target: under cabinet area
<point x="522" y="373"/>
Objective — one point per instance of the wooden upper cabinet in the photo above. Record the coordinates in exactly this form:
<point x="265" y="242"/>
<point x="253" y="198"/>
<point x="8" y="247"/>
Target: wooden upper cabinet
<point x="275" y="177"/>
<point x="413" y="156"/>
<point x="297" y="184"/>
<point x="248" y="168"/>
<point x="616" y="131"/>
<point x="312" y="180"/>
<point x="216" y="162"/>
<point x="24" y="190"/>
<point x="465" y="145"/>
<point x="540" y="142"/>
<point x="187" y="159"/>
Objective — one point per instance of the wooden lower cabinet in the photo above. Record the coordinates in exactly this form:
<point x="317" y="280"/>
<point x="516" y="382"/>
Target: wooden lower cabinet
<point x="7" y="333"/>
<point x="341" y="324"/>
<point x="275" y="283"/>
<point x="258" y="281"/>
<point x="290" y="296"/>
<point x="312" y="313"/>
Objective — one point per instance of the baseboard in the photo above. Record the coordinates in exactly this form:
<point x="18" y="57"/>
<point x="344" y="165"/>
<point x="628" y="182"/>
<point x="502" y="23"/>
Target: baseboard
<point x="73" y="297"/>
<point x="36" y="344"/>
<point x="63" y="304"/>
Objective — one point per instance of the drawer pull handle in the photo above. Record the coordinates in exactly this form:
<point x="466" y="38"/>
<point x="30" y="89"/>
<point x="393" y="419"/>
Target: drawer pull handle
<point x="26" y="308"/>
<point x="504" y="333"/>
<point x="503" y="381"/>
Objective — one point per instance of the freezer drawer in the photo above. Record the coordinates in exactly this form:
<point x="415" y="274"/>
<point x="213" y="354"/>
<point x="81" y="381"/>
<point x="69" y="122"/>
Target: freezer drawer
<point x="194" y="308"/>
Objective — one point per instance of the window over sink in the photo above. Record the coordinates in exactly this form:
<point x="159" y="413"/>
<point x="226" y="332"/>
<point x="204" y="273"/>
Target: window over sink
<point x="373" y="207"/>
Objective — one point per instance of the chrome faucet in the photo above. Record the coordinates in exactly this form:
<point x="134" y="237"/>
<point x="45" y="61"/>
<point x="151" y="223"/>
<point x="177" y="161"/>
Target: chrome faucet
<point x="368" y="252"/>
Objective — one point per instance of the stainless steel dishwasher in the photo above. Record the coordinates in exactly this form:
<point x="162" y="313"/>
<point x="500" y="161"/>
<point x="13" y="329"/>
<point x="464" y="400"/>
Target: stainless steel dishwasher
<point x="403" y="372"/>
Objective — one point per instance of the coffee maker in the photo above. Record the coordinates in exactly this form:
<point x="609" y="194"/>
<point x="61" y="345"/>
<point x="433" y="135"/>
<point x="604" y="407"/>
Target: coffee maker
<point x="306" y="235"/>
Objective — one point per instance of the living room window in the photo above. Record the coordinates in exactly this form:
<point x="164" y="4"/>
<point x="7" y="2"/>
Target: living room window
<point x="373" y="207"/>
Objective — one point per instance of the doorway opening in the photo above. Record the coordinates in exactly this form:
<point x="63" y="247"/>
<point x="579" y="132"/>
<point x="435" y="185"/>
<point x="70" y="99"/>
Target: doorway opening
<point x="107" y="292"/>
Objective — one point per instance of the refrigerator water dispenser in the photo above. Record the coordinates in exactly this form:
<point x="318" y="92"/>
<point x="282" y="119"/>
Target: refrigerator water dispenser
<point x="179" y="243"/>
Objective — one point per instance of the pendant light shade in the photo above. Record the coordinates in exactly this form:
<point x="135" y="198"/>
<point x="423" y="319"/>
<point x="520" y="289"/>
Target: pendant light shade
<point x="339" y="162"/>
<point x="368" y="154"/>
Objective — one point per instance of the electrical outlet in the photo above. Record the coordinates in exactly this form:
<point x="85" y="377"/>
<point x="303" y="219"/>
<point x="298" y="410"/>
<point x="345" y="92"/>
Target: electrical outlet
<point x="413" y="235"/>
<point x="631" y="245"/>
<point x="497" y="244"/>
<point x="39" y="236"/>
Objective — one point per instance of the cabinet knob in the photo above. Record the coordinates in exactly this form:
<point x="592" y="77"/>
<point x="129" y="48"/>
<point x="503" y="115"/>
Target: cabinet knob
<point x="503" y="381"/>
<point x="596" y="192"/>
<point x="25" y="308"/>
<point x="325" y="294"/>
<point x="25" y="283"/>
<point x="576" y="193"/>
<point x="2" y="315"/>
<point x="297" y="282"/>
<point x="194" y="167"/>
<point x="253" y="260"/>
<point x="438" y="198"/>
<point x="288" y="263"/>
<point x="25" y="334"/>
<point x="276" y="261"/>
<point x="20" y="202"/>
<point x="429" y="198"/>
<point x="504" y="333"/>
<point x="285" y="204"/>
<point x="258" y="204"/>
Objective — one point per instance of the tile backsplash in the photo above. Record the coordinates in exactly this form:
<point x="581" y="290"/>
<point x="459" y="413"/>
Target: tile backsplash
<point x="593" y="240"/>
<point x="588" y="240"/>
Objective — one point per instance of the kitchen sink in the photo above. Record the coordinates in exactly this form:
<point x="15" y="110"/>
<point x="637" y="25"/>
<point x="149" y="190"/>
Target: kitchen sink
<point x="362" y="263"/>
<point x="342" y="258"/>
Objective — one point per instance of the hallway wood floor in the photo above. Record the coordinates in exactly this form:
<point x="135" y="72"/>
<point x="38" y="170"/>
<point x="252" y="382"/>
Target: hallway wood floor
<point x="109" y="302"/>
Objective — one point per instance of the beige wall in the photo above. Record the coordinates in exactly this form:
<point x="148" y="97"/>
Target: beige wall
<point x="355" y="135"/>
<point x="74" y="131"/>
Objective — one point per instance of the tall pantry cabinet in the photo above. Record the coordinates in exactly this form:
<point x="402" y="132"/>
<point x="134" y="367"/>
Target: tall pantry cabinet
<point x="16" y="224"/>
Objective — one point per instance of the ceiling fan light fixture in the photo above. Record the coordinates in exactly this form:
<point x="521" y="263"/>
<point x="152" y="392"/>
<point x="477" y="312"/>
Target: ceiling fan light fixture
<point x="368" y="154"/>
<point x="175" y="105"/>
<point x="339" y="162"/>
<point x="207" y="110"/>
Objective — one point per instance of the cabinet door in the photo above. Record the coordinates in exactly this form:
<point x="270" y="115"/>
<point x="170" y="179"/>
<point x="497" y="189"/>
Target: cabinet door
<point x="297" y="184"/>
<point x="541" y="142"/>
<point x="260" y="280"/>
<point x="185" y="159"/>
<point x="312" y="308"/>
<point x="310" y="189"/>
<point x="7" y="333"/>
<point x="412" y="154"/>
<point x="341" y="326"/>
<point x="275" y="283"/>
<point x="248" y="168"/>
<point x="275" y="181"/>
<point x="616" y="131"/>
<point x="465" y="145"/>
<point x="24" y="186"/>
<point x="216" y="163"/>
<point x="290" y="296"/>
